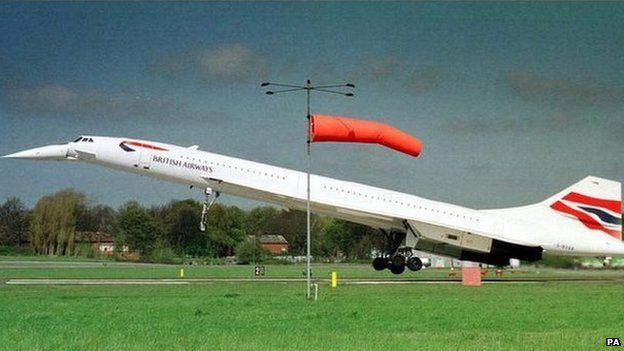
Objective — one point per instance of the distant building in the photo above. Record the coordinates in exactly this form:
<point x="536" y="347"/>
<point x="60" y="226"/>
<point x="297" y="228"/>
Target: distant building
<point x="276" y="244"/>
<point x="102" y="242"/>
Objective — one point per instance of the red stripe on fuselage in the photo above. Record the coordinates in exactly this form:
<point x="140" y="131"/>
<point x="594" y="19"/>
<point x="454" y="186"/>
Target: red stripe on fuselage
<point x="586" y="219"/>
<point x="613" y="205"/>
<point x="147" y="146"/>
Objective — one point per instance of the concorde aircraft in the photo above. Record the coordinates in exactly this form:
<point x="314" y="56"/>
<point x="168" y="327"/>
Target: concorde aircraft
<point x="582" y="220"/>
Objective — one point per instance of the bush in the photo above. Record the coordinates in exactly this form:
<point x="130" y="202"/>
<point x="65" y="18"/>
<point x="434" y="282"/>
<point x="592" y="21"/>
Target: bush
<point x="279" y="260"/>
<point x="559" y="262"/>
<point x="214" y="261"/>
<point x="163" y="254"/>
<point x="16" y="251"/>
<point x="85" y="250"/>
<point x="250" y="252"/>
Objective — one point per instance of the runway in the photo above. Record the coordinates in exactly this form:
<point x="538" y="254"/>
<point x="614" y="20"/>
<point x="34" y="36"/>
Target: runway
<point x="347" y="281"/>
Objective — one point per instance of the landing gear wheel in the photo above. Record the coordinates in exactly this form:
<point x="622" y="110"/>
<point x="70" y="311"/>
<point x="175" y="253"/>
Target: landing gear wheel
<point x="397" y="269"/>
<point x="414" y="264"/>
<point x="397" y="260"/>
<point x="380" y="263"/>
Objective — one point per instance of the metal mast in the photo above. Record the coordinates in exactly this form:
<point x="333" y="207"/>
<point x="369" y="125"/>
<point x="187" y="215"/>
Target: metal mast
<point x="308" y="87"/>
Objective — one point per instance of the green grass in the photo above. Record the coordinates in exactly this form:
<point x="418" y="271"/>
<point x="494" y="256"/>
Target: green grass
<point x="248" y="316"/>
<point x="275" y="316"/>
<point x="107" y="269"/>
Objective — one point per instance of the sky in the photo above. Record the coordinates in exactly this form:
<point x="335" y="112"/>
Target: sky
<point x="513" y="101"/>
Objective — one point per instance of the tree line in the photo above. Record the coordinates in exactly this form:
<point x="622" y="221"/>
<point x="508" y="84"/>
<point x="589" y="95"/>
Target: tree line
<point x="158" y="233"/>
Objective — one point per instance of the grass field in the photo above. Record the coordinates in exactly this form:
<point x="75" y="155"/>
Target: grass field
<point x="275" y="316"/>
<point x="12" y="268"/>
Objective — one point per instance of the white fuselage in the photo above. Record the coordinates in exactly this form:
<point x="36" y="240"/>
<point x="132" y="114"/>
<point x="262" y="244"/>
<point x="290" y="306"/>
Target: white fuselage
<point x="439" y="225"/>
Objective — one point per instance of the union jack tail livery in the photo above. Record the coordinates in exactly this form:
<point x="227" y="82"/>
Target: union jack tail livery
<point x="576" y="221"/>
<point x="595" y="203"/>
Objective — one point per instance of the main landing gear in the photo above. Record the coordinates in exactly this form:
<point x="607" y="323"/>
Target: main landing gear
<point x="396" y="263"/>
<point x="396" y="258"/>
<point x="211" y="197"/>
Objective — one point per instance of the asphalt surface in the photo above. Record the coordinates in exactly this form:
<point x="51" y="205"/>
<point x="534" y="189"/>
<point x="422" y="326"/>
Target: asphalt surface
<point x="345" y="281"/>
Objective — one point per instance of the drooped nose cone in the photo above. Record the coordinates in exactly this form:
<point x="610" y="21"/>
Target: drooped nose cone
<point x="50" y="152"/>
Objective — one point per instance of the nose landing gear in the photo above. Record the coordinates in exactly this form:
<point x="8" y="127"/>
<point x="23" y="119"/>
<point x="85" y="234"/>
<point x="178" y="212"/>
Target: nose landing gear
<point x="211" y="197"/>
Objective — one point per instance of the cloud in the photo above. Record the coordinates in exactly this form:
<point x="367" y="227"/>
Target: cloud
<point x="59" y="100"/>
<point x="230" y="63"/>
<point x="465" y="125"/>
<point x="535" y="89"/>
<point x="555" y="95"/>
<point x="616" y="130"/>
<point x="422" y="80"/>
<point x="9" y="76"/>
<point x="234" y="62"/>
<point x="388" y="69"/>
<point x="556" y="123"/>
<point x="377" y="69"/>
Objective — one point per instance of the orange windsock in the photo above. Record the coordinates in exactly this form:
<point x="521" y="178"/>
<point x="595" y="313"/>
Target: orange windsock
<point x="343" y="129"/>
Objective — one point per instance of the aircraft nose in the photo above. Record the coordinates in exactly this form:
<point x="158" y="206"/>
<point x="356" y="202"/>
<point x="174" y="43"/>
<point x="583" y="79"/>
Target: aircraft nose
<point x="50" y="152"/>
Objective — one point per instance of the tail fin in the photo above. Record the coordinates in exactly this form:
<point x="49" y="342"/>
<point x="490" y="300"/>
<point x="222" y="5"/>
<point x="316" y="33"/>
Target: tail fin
<point x="595" y="202"/>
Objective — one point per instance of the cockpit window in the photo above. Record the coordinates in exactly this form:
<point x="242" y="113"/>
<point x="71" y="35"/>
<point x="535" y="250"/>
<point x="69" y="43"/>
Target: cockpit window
<point x="90" y="140"/>
<point x="78" y="139"/>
